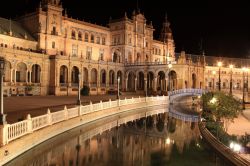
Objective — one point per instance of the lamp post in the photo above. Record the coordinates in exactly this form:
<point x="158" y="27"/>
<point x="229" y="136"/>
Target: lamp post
<point x="219" y="64"/>
<point x="244" y="86"/>
<point x="79" y="90"/>
<point x="231" y="83"/>
<point x="146" y="89"/>
<point x="213" y="72"/>
<point x="118" y="83"/>
<point x="2" y="67"/>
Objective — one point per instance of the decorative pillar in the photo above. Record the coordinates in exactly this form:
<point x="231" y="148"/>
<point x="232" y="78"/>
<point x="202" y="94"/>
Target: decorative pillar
<point x="27" y="73"/>
<point x="11" y="75"/>
<point x="135" y="84"/>
<point x="126" y="84"/>
<point x="155" y="83"/>
<point x="30" y="76"/>
<point x="166" y="83"/>
<point x="14" y="75"/>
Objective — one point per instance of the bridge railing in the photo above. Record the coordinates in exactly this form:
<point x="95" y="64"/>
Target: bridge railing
<point x="13" y="131"/>
<point x="189" y="91"/>
<point x="183" y="116"/>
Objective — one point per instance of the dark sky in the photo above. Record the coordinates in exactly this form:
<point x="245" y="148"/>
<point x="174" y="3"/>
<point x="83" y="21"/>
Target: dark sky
<point x="223" y="27"/>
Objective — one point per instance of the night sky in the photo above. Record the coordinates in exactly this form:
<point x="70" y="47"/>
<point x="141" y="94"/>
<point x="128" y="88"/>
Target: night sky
<point x="223" y="27"/>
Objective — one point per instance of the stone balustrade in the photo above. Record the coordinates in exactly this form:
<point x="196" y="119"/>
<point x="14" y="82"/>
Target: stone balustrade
<point x="19" y="129"/>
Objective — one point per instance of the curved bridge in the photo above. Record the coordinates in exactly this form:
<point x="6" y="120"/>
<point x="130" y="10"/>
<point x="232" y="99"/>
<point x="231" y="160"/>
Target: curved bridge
<point x="185" y="92"/>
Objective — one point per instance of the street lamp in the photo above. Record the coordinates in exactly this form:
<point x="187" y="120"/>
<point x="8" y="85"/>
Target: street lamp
<point x="2" y="67"/>
<point x="118" y="93"/>
<point x="219" y="64"/>
<point x="146" y="90"/>
<point x="213" y="72"/>
<point x="231" y="73"/>
<point x="79" y="90"/>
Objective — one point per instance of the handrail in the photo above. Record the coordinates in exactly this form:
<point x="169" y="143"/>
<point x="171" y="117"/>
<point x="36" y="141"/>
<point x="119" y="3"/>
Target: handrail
<point x="221" y="148"/>
<point x="19" y="129"/>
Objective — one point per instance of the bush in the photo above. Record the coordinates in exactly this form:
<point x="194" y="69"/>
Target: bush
<point x="85" y="91"/>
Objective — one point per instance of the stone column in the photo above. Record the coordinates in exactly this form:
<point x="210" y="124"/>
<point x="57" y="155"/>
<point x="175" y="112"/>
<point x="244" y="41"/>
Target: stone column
<point x="135" y="84"/>
<point x="126" y="86"/>
<point x="166" y="84"/>
<point x="27" y="73"/>
<point x="155" y="83"/>
<point x="14" y="75"/>
<point x="30" y="77"/>
<point x="11" y="75"/>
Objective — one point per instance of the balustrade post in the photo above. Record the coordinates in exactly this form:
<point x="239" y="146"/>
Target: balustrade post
<point x="139" y="99"/>
<point x="90" y="106"/>
<point x="118" y="102"/>
<point x="4" y="134"/>
<point x="29" y="124"/>
<point x="49" y="117"/>
<point x="109" y="103"/>
<point x="126" y="100"/>
<point x="101" y="105"/>
<point x="79" y="110"/>
<point x="66" y="114"/>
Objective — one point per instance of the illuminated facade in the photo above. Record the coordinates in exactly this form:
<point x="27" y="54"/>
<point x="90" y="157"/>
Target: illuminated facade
<point x="46" y="50"/>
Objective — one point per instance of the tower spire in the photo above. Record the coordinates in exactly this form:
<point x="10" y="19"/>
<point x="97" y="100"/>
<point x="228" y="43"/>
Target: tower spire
<point x="166" y="17"/>
<point x="10" y="28"/>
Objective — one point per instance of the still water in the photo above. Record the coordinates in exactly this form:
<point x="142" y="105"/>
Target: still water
<point x="156" y="140"/>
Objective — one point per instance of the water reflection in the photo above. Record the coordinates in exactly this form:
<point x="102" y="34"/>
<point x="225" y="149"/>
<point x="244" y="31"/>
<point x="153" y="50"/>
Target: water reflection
<point x="153" y="140"/>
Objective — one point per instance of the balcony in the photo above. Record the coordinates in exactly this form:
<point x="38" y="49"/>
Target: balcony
<point x="54" y="33"/>
<point x="63" y="84"/>
<point x="145" y="63"/>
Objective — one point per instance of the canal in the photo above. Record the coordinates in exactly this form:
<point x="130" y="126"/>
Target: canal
<point x="156" y="140"/>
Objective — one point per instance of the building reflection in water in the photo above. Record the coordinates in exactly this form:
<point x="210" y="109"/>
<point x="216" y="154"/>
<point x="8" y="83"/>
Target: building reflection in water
<point x="146" y="141"/>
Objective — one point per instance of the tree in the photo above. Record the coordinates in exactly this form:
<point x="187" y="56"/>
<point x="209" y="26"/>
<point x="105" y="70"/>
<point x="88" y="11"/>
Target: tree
<point x="221" y="106"/>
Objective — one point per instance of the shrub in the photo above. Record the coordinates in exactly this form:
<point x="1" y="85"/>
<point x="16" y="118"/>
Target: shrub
<point x="85" y="91"/>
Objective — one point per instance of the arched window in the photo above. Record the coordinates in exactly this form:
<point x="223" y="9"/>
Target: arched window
<point x="63" y="74"/>
<point x="92" y="38"/>
<point x="35" y="74"/>
<point x="79" y="36"/>
<point x="103" y="41"/>
<point x="21" y="72"/>
<point x="98" y="40"/>
<point x="73" y="34"/>
<point x="86" y="38"/>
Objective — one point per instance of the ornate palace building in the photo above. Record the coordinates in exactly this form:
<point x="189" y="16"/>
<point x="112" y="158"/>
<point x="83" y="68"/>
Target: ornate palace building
<point x="46" y="51"/>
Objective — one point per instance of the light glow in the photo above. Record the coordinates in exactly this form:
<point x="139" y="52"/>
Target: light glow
<point x="213" y="100"/>
<point x="219" y="64"/>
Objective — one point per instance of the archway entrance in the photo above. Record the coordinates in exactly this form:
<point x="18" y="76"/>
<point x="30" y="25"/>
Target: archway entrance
<point x="103" y="78"/>
<point x="141" y="81"/>
<point x="172" y="80"/>
<point x="193" y="80"/>
<point x="131" y="81"/>
<point x="161" y="81"/>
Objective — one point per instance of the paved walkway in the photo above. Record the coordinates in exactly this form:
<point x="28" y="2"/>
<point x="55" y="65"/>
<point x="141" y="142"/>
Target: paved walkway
<point x="241" y="125"/>
<point x="17" y="108"/>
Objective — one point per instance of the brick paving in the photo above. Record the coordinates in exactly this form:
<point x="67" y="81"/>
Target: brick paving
<point x="17" y="108"/>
